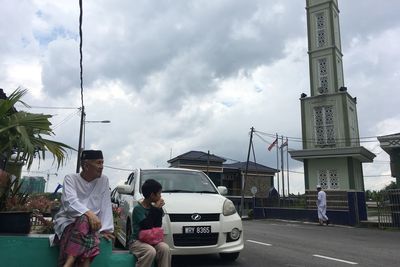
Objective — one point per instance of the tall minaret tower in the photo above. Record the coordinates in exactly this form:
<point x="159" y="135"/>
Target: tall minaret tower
<point x="331" y="153"/>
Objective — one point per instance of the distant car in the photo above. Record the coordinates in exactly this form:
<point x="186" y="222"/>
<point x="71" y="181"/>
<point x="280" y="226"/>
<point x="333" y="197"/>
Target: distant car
<point x="198" y="218"/>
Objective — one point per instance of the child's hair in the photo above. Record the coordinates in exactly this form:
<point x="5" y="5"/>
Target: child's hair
<point x="150" y="186"/>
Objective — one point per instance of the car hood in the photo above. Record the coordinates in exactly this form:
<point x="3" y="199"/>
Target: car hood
<point x="193" y="202"/>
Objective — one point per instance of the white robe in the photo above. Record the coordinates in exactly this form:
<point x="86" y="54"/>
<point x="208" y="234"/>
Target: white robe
<point x="321" y="204"/>
<point x="79" y="196"/>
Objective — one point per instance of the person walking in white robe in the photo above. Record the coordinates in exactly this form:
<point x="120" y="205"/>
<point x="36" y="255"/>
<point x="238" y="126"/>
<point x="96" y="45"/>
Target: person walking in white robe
<point x="321" y="205"/>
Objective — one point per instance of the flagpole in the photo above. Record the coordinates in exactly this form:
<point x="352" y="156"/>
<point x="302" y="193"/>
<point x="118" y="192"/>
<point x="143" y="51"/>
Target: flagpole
<point x="277" y="161"/>
<point x="287" y="165"/>
<point x="282" y="168"/>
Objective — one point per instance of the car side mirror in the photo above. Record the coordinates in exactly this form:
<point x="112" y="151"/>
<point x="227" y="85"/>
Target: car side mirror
<point x="124" y="189"/>
<point x="223" y="190"/>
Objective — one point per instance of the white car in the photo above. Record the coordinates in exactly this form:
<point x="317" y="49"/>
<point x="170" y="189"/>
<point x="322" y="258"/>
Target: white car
<point x="198" y="218"/>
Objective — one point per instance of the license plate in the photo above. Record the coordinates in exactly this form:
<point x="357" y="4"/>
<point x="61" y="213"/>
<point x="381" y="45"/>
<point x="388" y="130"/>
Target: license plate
<point x="197" y="230"/>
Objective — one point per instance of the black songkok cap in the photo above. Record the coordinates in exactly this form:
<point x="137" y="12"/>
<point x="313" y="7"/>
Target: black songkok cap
<point x="91" y="154"/>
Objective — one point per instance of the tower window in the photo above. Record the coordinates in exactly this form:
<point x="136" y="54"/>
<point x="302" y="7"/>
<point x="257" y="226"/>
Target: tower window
<point x="328" y="179"/>
<point x="321" y="30"/>
<point x="323" y="75"/>
<point x="324" y="125"/>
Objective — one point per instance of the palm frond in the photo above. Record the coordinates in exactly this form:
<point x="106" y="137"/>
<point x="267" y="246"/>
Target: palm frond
<point x="22" y="133"/>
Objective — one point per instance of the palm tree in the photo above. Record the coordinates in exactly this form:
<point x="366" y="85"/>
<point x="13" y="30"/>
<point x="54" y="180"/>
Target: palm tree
<point x="21" y="134"/>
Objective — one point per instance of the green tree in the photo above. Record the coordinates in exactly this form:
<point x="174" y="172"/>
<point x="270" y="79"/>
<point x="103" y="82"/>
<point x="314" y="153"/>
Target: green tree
<point x="22" y="134"/>
<point x="392" y="185"/>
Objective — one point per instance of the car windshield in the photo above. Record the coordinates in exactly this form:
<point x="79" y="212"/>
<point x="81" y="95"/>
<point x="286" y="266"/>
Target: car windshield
<point x="179" y="181"/>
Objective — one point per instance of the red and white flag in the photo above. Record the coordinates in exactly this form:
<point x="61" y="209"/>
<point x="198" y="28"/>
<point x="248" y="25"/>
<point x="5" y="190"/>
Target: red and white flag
<point x="271" y="146"/>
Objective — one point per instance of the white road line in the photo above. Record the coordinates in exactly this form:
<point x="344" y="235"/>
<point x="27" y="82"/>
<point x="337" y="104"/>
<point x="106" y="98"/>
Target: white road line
<point x="334" y="259"/>
<point x="261" y="243"/>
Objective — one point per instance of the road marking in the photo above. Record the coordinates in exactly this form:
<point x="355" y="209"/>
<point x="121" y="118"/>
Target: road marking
<point x="260" y="243"/>
<point x="334" y="259"/>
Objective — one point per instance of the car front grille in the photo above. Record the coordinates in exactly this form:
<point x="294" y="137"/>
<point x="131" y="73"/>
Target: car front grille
<point x="205" y="217"/>
<point x="187" y="240"/>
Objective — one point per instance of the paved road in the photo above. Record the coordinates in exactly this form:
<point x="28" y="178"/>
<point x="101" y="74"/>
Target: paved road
<point x="280" y="243"/>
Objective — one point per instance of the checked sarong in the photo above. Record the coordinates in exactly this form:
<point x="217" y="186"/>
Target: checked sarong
<point x="80" y="241"/>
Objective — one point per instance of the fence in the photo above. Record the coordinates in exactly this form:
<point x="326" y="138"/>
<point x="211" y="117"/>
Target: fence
<point x="247" y="204"/>
<point x="346" y="208"/>
<point x="336" y="200"/>
<point x="389" y="209"/>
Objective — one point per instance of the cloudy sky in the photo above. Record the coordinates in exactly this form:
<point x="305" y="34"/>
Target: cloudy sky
<point x="180" y="75"/>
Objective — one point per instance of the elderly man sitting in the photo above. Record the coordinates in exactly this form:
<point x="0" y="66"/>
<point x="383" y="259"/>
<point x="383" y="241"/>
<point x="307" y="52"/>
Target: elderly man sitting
<point x="85" y="212"/>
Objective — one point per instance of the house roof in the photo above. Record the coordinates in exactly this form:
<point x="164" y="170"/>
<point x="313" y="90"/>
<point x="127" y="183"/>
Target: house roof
<point x="198" y="155"/>
<point x="395" y="135"/>
<point x="390" y="142"/>
<point x="253" y="167"/>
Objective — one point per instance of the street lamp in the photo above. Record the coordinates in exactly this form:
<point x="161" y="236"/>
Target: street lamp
<point x="105" y="121"/>
<point x="81" y="135"/>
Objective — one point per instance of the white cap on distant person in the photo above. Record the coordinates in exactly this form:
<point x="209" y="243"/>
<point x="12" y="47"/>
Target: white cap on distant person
<point x="318" y="186"/>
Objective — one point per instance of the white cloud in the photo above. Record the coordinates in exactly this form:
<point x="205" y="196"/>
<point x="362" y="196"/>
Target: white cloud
<point x="192" y="75"/>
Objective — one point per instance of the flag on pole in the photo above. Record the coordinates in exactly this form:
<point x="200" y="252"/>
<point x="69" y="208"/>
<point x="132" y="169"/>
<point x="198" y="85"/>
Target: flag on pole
<point x="59" y="186"/>
<point x="284" y="144"/>
<point x="271" y="146"/>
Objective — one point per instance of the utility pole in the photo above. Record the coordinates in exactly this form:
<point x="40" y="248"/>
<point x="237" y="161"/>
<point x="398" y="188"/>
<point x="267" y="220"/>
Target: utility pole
<point x="82" y="125"/>
<point x="245" y="173"/>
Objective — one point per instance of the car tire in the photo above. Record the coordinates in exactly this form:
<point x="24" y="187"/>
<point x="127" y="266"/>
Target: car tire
<point x="229" y="256"/>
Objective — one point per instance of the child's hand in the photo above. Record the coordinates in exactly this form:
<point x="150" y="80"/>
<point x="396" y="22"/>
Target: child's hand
<point x="159" y="204"/>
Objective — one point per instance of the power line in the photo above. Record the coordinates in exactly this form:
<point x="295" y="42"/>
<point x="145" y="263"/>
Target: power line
<point x="43" y="107"/>
<point x="302" y="139"/>
<point x="337" y="141"/>
<point x="119" y="169"/>
<point x="71" y="115"/>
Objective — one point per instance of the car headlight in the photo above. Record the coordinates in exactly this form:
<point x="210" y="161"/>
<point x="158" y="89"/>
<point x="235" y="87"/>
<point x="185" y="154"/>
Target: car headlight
<point x="228" y="208"/>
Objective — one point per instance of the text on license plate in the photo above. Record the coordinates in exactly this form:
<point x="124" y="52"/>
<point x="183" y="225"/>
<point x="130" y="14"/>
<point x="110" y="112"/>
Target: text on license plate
<point x="197" y="229"/>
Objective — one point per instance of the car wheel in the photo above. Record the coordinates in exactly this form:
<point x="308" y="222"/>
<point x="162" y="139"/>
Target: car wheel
<point x="128" y="234"/>
<point x="229" y="256"/>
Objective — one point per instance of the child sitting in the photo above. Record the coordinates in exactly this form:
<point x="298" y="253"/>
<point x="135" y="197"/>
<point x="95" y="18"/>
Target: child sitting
<point x="147" y="214"/>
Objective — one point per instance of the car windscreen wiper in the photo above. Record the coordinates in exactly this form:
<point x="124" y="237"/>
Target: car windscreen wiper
<point x="178" y="191"/>
<point x="205" y="192"/>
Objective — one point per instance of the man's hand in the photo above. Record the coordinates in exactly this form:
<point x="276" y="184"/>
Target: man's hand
<point x="94" y="221"/>
<point x="108" y="235"/>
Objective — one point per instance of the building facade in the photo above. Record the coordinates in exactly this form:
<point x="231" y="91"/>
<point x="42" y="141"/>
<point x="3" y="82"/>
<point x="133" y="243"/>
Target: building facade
<point x="331" y="153"/>
<point x="391" y="144"/>
<point x="32" y="184"/>
<point x="232" y="176"/>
